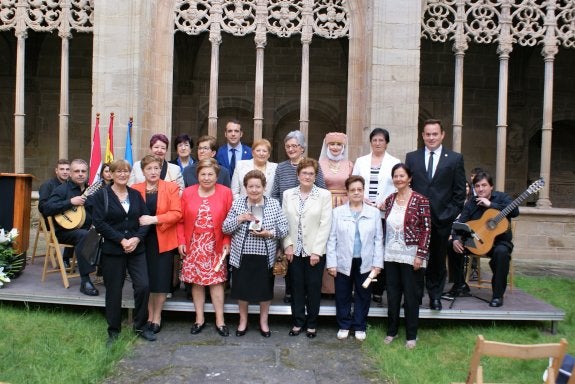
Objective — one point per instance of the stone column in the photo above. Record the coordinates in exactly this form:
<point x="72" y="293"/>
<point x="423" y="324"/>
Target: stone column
<point x="459" y="48"/>
<point x="306" y="36"/>
<point x="19" y="96"/>
<point x="504" y="49"/>
<point x="133" y="68"/>
<point x="549" y="51"/>
<point x="65" y="35"/>
<point x="392" y="79"/>
<point x="216" y="40"/>
<point x="260" y="40"/>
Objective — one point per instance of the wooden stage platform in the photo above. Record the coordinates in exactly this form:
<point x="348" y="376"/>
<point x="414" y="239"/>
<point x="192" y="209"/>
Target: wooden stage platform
<point x="519" y="306"/>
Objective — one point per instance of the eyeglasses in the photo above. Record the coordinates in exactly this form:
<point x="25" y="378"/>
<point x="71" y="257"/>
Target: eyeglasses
<point x="292" y="146"/>
<point x="120" y="171"/>
<point x="204" y="149"/>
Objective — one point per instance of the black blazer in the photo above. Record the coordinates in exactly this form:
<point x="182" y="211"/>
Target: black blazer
<point x="190" y="177"/>
<point x="117" y="225"/>
<point x="446" y="191"/>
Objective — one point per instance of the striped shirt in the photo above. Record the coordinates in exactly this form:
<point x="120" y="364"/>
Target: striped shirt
<point x="286" y="178"/>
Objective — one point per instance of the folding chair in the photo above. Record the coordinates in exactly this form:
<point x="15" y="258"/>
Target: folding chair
<point x="54" y="253"/>
<point x="484" y="282"/>
<point x="516" y="351"/>
<point x="41" y="230"/>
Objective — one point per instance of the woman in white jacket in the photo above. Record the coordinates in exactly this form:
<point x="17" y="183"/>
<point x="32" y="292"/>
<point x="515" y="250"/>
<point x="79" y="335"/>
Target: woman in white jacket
<point x="354" y="252"/>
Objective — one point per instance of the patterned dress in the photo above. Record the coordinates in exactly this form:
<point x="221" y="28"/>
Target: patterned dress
<point x="198" y="266"/>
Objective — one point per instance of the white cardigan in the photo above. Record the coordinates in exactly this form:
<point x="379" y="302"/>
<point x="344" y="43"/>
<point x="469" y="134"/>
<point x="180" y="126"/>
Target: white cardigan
<point x="315" y="220"/>
<point x="362" y="167"/>
<point x="243" y="167"/>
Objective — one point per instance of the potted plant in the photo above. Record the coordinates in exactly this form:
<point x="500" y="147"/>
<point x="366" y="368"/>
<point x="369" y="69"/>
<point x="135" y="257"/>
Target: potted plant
<point x="11" y="263"/>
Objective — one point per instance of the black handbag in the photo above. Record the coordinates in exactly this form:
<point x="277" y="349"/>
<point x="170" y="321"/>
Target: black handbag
<point x="91" y="249"/>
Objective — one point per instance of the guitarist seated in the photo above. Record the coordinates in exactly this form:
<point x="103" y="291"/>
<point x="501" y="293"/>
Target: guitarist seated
<point x="65" y="197"/>
<point x="500" y="253"/>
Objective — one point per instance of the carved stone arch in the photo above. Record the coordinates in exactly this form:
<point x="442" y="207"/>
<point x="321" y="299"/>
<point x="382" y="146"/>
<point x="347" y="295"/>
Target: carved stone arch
<point x="229" y="108"/>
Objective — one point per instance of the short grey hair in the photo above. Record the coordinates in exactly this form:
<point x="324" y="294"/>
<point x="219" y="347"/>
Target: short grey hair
<point x="298" y="136"/>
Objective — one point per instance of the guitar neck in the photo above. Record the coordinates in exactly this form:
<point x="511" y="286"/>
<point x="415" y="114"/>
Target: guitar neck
<point x="501" y="215"/>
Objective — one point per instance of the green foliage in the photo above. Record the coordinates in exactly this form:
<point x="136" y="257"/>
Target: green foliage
<point x="47" y="344"/>
<point x="444" y="348"/>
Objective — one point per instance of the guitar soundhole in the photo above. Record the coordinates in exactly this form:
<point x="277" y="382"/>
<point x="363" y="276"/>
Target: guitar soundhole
<point x="491" y="224"/>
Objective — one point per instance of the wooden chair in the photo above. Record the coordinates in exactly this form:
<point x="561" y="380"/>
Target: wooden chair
<point x="483" y="282"/>
<point x="516" y="351"/>
<point x="54" y="253"/>
<point x="41" y="230"/>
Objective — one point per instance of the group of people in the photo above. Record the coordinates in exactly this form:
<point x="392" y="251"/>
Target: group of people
<point x="228" y="214"/>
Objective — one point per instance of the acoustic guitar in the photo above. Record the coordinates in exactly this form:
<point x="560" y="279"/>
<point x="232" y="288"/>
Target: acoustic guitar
<point x="75" y="217"/>
<point x="493" y="222"/>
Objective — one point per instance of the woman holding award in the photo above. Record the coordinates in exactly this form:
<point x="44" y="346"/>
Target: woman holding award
<point x="202" y="244"/>
<point x="256" y="223"/>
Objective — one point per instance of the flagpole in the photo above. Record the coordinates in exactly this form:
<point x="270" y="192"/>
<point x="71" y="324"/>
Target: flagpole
<point x="128" y="152"/>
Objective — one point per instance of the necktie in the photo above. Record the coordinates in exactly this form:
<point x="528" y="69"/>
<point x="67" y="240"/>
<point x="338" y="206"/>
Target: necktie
<point x="430" y="166"/>
<point x="233" y="161"/>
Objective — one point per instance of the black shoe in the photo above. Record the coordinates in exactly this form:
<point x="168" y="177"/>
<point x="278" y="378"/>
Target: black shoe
<point x="66" y="263"/>
<point x="146" y="333"/>
<point x="156" y="328"/>
<point x="377" y="298"/>
<point x="294" y="332"/>
<point x="311" y="334"/>
<point x="435" y="305"/>
<point x="496" y="302"/>
<point x="287" y="298"/>
<point x="112" y="338"/>
<point x="197" y="328"/>
<point x="241" y="333"/>
<point x="265" y="334"/>
<point x="87" y="288"/>
<point x="223" y="330"/>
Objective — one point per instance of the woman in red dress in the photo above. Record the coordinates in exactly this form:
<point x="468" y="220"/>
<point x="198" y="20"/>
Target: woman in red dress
<point x="202" y="242"/>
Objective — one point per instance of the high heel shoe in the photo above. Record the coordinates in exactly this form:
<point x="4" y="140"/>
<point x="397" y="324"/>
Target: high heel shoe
<point x="294" y="331"/>
<point x="242" y="332"/>
<point x="311" y="334"/>
<point x="265" y="334"/>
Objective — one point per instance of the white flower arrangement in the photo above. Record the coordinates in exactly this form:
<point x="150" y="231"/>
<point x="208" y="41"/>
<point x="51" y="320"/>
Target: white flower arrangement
<point x="10" y="263"/>
<point x="3" y="277"/>
<point x="8" y="238"/>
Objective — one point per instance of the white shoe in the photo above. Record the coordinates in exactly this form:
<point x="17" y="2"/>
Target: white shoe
<point x="360" y="335"/>
<point x="342" y="334"/>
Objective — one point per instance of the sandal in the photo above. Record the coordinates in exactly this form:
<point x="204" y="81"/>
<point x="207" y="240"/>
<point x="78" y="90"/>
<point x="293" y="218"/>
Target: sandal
<point x="388" y="339"/>
<point x="410" y="344"/>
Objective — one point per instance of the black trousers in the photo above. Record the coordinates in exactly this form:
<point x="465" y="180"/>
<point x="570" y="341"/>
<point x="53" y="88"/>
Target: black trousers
<point x="76" y="238"/>
<point x="114" y="271"/>
<point x="402" y="280"/>
<point x="436" y="272"/>
<point x="305" y="290"/>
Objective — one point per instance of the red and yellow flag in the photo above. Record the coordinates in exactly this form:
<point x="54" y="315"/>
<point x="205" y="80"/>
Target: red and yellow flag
<point x="110" y="141"/>
<point x="96" y="153"/>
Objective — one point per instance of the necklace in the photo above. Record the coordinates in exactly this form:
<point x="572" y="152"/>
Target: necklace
<point x="334" y="166"/>
<point x="402" y="199"/>
<point x="152" y="190"/>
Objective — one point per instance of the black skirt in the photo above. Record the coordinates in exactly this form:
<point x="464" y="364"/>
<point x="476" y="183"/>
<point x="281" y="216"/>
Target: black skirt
<point x="253" y="281"/>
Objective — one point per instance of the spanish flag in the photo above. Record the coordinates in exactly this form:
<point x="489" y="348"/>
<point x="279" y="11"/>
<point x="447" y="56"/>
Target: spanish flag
<point x="110" y="142"/>
<point x="96" y="154"/>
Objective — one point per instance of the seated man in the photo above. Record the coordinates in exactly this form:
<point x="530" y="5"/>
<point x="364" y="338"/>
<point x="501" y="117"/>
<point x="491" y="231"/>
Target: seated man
<point x="500" y="253"/>
<point x="62" y="172"/>
<point x="65" y="197"/>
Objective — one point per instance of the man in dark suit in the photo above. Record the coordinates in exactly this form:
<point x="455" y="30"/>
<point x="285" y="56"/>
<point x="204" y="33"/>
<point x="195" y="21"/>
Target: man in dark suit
<point x="233" y="151"/>
<point x="438" y="174"/>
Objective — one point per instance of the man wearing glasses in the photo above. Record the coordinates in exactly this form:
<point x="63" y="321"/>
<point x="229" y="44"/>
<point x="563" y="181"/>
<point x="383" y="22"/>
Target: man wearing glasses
<point x="65" y="197"/>
<point x="206" y="149"/>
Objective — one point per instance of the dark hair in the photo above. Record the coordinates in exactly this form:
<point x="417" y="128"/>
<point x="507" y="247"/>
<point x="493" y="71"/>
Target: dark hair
<point x="483" y="175"/>
<point x="476" y="170"/>
<point x="255" y="174"/>
<point x="208" y="163"/>
<point x="353" y="179"/>
<point x="402" y="166"/>
<point x="182" y="139"/>
<point x="379" y="131"/>
<point x="209" y="139"/>
<point x="233" y="121"/>
<point x="161" y="137"/>
<point x="432" y="121"/>
<point x="307" y="162"/>
<point x="103" y="168"/>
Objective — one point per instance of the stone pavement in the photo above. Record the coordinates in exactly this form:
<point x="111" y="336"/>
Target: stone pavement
<point x="179" y="357"/>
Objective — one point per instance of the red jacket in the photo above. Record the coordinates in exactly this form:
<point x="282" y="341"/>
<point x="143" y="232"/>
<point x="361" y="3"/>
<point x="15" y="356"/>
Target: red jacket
<point x="220" y="203"/>
<point x="168" y="212"/>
